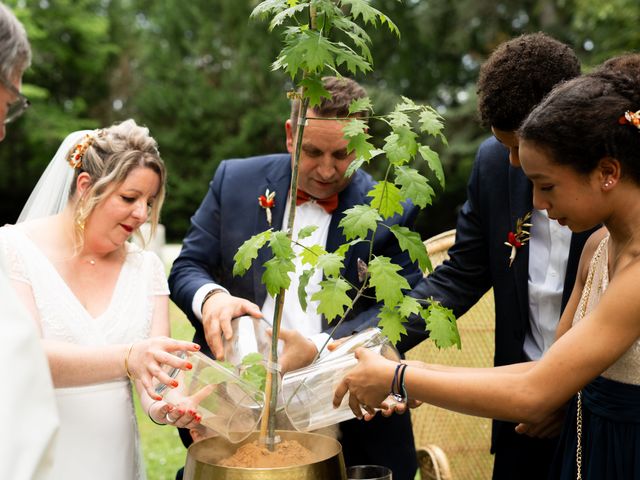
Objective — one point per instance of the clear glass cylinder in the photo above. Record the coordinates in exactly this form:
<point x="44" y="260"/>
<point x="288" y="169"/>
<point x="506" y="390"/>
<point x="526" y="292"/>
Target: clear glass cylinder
<point x="228" y="404"/>
<point x="308" y="392"/>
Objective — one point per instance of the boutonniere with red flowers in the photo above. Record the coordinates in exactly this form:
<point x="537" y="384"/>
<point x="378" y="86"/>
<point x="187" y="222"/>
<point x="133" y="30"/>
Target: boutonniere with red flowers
<point x="520" y="237"/>
<point x="267" y="201"/>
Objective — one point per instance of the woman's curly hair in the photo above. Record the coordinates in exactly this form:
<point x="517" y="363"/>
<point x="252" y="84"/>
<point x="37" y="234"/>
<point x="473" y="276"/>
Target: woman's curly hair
<point x="518" y="75"/>
<point x="579" y="122"/>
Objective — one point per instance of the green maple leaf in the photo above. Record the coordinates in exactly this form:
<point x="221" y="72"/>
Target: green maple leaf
<point x="332" y="298"/>
<point x="307" y="51"/>
<point x="276" y="274"/>
<point x="268" y="7"/>
<point x="413" y="185"/>
<point x="286" y="13"/>
<point x="408" y="306"/>
<point x="354" y="127"/>
<point x="331" y="264"/>
<point x="316" y="51"/>
<point x="358" y="221"/>
<point x="306" y="231"/>
<point x="342" y="249"/>
<point x="370" y="14"/>
<point x="280" y="245"/>
<point x="361" y="8"/>
<point x="248" y="252"/>
<point x="431" y="122"/>
<point x="360" y="105"/>
<point x="311" y="254"/>
<point x="255" y="375"/>
<point x="314" y="90"/>
<point x="357" y="34"/>
<point x="358" y="162"/>
<point x="302" y="292"/>
<point x="354" y="61"/>
<point x="407" y="105"/>
<point x="412" y="243"/>
<point x="386" y="280"/>
<point x="386" y="198"/>
<point x="433" y="160"/>
<point x="252" y="358"/>
<point x="401" y="146"/>
<point x="442" y="326"/>
<point x="398" y="118"/>
<point x="353" y="166"/>
<point x="391" y="324"/>
<point x="361" y="146"/>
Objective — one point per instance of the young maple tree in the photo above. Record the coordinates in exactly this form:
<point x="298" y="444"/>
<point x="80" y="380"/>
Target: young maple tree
<point x="321" y="37"/>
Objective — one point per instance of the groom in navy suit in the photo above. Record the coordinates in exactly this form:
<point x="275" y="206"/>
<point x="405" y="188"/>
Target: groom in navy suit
<point x="201" y="279"/>
<point x="531" y="292"/>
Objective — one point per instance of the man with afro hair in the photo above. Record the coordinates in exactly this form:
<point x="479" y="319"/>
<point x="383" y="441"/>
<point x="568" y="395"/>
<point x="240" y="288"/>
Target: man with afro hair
<point x="532" y="288"/>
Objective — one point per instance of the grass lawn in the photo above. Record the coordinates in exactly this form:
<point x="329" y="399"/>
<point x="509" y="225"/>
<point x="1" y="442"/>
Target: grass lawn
<point x="163" y="451"/>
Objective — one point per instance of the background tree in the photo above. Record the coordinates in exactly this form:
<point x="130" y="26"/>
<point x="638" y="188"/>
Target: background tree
<point x="197" y="73"/>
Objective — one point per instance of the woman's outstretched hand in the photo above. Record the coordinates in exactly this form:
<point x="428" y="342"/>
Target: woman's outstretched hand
<point x="144" y="361"/>
<point x="368" y="383"/>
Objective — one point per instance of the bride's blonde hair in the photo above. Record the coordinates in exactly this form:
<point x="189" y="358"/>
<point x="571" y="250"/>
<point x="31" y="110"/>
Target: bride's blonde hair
<point x="108" y="156"/>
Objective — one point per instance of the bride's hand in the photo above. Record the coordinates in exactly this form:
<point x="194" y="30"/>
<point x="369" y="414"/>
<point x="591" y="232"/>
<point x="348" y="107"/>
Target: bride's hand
<point x="144" y="361"/>
<point x="162" y="412"/>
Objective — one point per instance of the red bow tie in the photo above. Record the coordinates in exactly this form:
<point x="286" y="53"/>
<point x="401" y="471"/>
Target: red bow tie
<point x="329" y="204"/>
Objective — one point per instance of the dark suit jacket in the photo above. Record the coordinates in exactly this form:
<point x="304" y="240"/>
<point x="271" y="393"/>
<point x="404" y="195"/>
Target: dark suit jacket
<point x="497" y="196"/>
<point x="230" y="214"/>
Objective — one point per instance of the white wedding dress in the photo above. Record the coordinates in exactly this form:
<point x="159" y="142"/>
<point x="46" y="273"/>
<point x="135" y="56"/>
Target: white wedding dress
<point x="98" y="436"/>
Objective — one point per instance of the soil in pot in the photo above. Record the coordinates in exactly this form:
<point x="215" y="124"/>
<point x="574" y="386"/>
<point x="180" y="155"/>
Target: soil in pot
<point x="254" y="455"/>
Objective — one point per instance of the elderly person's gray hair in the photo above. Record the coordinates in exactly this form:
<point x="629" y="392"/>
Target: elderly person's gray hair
<point x="15" y="51"/>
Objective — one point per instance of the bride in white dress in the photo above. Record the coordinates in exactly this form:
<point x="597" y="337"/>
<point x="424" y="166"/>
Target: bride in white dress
<point x="100" y="301"/>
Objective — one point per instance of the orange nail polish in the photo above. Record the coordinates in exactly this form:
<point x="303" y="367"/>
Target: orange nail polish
<point x="188" y="366"/>
<point x="174" y="384"/>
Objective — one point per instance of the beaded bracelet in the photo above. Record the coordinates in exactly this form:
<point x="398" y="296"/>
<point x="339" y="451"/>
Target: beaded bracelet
<point x="149" y="413"/>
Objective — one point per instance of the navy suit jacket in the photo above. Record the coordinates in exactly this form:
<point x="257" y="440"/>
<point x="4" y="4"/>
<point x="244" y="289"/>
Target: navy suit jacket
<point x="498" y="194"/>
<point x="229" y="215"/>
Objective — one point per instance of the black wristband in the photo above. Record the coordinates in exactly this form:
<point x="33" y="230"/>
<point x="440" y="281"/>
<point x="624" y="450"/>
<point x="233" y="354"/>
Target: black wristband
<point x="398" y="390"/>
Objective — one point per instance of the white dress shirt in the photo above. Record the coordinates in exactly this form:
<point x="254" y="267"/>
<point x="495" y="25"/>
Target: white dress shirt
<point x="308" y="323"/>
<point x="548" y="253"/>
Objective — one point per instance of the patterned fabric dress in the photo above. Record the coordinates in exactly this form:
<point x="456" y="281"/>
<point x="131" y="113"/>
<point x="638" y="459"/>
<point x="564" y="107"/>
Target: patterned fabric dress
<point x="610" y="404"/>
<point x="98" y="436"/>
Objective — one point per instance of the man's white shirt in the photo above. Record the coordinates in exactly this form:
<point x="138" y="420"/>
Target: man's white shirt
<point x="548" y="254"/>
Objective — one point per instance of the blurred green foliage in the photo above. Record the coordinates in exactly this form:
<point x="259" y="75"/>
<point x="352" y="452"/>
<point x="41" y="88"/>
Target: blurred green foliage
<point x="198" y="74"/>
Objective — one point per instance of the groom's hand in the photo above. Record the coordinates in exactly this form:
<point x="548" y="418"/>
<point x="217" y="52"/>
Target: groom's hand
<point x="217" y="313"/>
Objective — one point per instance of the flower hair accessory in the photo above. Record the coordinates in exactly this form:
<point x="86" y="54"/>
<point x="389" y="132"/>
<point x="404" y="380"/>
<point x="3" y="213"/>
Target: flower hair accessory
<point x="632" y="118"/>
<point x="520" y="237"/>
<point x="76" y="155"/>
<point x="267" y="201"/>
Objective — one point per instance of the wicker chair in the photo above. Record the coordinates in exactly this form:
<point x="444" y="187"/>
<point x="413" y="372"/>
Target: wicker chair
<point x="451" y="445"/>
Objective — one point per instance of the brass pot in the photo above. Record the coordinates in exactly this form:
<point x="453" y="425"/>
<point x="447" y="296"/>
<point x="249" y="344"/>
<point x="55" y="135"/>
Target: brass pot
<point x="202" y="458"/>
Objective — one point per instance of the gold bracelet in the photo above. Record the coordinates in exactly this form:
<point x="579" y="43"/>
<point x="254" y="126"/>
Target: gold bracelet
<point x="126" y="363"/>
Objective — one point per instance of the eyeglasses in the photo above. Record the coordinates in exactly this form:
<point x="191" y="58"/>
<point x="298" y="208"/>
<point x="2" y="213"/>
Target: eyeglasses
<point x="18" y="106"/>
